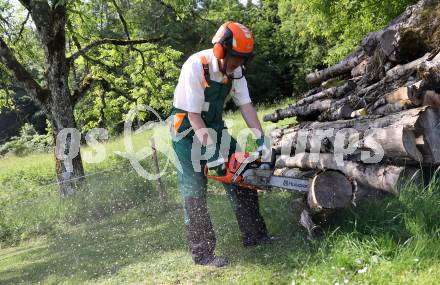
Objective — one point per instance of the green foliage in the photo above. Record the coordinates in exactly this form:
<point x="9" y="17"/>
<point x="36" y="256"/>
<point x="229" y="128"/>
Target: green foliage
<point x="321" y="33"/>
<point x="125" y="76"/>
<point x="28" y="142"/>
<point x="293" y="37"/>
<point x="148" y="79"/>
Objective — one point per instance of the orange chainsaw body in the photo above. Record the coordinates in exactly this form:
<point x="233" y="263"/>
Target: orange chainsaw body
<point x="232" y="166"/>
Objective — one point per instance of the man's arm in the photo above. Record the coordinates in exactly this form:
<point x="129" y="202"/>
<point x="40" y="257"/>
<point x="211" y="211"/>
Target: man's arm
<point x="250" y="116"/>
<point x="197" y="123"/>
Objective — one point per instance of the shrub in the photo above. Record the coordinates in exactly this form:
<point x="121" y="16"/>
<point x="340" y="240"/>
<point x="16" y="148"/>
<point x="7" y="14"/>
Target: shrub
<point x="29" y="141"/>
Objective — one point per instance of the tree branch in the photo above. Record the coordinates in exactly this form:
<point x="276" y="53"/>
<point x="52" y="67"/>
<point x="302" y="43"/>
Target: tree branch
<point x="121" y="17"/>
<point x="23" y="77"/>
<point x="192" y="12"/>
<point x="127" y="34"/>
<point x="4" y="21"/>
<point x="115" y="42"/>
<point x="108" y="87"/>
<point x="26" y="4"/>
<point x="86" y="84"/>
<point x="89" y="82"/>
<point x="22" y="28"/>
<point x="78" y="46"/>
<point x="49" y="22"/>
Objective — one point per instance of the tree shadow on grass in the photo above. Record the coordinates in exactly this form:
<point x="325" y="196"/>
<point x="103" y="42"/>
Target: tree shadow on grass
<point x="98" y="250"/>
<point x="291" y="239"/>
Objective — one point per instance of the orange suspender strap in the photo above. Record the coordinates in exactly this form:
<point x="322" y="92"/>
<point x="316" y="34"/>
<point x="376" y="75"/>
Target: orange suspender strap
<point x="205" y="65"/>
<point x="178" y="120"/>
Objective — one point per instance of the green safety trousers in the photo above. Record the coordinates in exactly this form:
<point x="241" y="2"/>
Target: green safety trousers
<point x="193" y="183"/>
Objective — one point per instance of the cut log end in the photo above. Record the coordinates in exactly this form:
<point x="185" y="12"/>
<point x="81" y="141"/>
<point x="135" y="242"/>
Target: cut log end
<point x="330" y="190"/>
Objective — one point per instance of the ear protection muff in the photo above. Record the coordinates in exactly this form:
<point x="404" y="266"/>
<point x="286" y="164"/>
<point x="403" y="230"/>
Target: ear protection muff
<point x="220" y="48"/>
<point x="219" y="51"/>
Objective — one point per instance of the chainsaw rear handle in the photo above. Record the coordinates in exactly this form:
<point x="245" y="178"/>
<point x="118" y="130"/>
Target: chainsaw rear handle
<point x="231" y="167"/>
<point x="227" y="179"/>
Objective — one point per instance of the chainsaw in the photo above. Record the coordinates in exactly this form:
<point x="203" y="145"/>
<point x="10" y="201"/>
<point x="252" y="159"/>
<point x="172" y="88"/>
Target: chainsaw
<point x="247" y="170"/>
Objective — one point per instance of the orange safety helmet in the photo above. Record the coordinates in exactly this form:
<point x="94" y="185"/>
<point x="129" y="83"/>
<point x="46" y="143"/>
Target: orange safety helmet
<point x="233" y="39"/>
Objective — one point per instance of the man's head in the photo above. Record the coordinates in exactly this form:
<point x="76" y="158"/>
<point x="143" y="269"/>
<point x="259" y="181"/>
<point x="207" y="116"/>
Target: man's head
<point x="233" y="43"/>
<point x="232" y="62"/>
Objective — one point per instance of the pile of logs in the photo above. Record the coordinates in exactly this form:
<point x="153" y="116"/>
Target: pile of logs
<point x="373" y="117"/>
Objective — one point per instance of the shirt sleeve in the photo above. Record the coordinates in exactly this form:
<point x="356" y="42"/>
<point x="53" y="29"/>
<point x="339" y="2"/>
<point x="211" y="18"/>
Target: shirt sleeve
<point x="240" y="92"/>
<point x="191" y="92"/>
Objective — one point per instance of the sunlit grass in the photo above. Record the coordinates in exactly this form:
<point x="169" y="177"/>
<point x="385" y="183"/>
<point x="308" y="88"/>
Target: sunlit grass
<point x="117" y="232"/>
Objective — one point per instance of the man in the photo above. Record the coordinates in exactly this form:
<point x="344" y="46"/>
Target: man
<point x="206" y="79"/>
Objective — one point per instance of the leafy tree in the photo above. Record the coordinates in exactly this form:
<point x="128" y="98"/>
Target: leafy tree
<point x="322" y="32"/>
<point x="63" y="82"/>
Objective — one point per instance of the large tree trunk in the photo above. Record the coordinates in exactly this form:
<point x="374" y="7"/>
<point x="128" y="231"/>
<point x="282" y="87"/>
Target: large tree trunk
<point x="56" y="100"/>
<point x="62" y="116"/>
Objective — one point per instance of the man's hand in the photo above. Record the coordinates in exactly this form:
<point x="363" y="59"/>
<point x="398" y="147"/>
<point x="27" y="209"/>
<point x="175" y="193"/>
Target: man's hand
<point x="264" y="151"/>
<point x="252" y="121"/>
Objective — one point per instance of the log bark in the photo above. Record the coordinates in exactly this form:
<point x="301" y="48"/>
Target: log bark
<point x="311" y="107"/>
<point x="399" y="76"/>
<point x="395" y="132"/>
<point x="409" y="35"/>
<point x="429" y="71"/>
<point x="397" y="144"/>
<point x="405" y="96"/>
<point x="360" y="69"/>
<point x="338" y="112"/>
<point x="342" y="68"/>
<point x="428" y="126"/>
<point x="425" y="151"/>
<point x="342" y="108"/>
<point x="406" y="118"/>
<point x="431" y="98"/>
<point x="387" y="178"/>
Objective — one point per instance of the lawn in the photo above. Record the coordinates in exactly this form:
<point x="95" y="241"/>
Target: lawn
<point x="118" y="233"/>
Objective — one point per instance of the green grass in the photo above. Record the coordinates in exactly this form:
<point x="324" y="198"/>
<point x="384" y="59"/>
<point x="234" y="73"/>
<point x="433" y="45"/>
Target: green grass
<point x="118" y="233"/>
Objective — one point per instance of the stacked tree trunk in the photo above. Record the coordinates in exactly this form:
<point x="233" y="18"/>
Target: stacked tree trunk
<point x="380" y="123"/>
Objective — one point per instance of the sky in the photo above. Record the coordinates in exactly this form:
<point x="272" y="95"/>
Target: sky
<point x="245" y="1"/>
